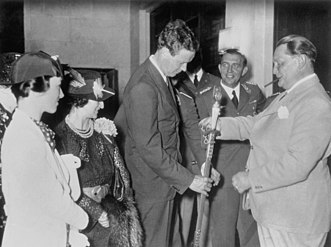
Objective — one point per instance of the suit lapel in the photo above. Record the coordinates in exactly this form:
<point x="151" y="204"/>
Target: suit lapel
<point x="187" y="87"/>
<point x="243" y="98"/>
<point x="274" y="106"/>
<point x="190" y="84"/>
<point x="162" y="86"/>
<point x="203" y="80"/>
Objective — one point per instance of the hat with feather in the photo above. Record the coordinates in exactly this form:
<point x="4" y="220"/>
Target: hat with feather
<point x="88" y="84"/>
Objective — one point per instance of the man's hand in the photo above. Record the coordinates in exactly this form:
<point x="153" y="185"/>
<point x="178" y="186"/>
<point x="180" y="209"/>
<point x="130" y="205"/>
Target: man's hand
<point x="240" y="182"/>
<point x="201" y="184"/>
<point x="205" y="126"/>
<point x="215" y="175"/>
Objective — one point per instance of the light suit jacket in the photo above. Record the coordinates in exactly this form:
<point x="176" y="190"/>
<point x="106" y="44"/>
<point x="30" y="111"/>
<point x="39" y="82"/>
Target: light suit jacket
<point x="150" y="118"/>
<point x="290" y="143"/>
<point x="38" y="201"/>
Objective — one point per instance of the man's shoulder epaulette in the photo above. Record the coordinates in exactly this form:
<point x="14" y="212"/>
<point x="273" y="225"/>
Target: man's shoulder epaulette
<point x="213" y="76"/>
<point x="250" y="86"/>
<point x="247" y="88"/>
<point x="210" y="79"/>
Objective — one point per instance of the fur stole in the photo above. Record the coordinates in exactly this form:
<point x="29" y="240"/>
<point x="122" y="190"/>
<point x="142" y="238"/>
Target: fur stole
<point x="125" y="227"/>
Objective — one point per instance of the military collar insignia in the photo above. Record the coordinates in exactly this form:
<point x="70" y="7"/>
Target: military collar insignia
<point x="205" y="90"/>
<point x="186" y="95"/>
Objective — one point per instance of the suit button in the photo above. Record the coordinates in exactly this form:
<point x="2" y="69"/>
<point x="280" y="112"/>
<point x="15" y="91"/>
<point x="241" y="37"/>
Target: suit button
<point x="251" y="147"/>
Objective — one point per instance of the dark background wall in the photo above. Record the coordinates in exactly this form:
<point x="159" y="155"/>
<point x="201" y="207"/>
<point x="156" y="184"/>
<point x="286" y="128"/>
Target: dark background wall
<point x="11" y="27"/>
<point x="311" y="19"/>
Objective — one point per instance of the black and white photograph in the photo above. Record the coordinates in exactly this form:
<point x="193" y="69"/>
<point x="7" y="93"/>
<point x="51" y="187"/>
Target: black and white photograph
<point x="165" y="123"/>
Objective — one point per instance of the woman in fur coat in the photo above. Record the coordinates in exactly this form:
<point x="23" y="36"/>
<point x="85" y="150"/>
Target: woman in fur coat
<point x="104" y="179"/>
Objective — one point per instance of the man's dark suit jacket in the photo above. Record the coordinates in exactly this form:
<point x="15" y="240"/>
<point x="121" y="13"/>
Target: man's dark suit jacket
<point x="150" y="119"/>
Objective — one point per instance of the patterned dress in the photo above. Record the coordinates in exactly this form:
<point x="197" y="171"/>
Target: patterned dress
<point x="5" y="118"/>
<point x="100" y="161"/>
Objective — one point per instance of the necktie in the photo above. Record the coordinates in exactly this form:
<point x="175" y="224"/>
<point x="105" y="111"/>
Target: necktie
<point x="235" y="99"/>
<point x="171" y="89"/>
<point x="196" y="81"/>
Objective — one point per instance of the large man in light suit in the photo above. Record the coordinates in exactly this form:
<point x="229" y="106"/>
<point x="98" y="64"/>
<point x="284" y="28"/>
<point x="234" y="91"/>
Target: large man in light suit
<point x="150" y="119"/>
<point x="288" y="178"/>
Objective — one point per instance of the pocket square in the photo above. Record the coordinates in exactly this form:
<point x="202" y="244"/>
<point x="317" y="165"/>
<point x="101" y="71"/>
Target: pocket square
<point x="283" y="112"/>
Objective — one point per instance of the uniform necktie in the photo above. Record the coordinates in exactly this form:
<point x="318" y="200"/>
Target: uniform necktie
<point x="196" y="81"/>
<point x="235" y="99"/>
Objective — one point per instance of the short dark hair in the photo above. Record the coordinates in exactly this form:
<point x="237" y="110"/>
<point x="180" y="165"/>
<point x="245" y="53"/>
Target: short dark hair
<point x="235" y="52"/>
<point x="39" y="84"/>
<point x="177" y="35"/>
<point x="297" y="45"/>
<point x="196" y="63"/>
<point x="77" y="101"/>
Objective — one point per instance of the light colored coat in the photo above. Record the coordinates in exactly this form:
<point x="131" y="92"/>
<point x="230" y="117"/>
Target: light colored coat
<point x="290" y="143"/>
<point x="38" y="201"/>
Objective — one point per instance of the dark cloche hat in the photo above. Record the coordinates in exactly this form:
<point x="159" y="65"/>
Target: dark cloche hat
<point x="35" y="64"/>
<point x="88" y="84"/>
<point x="6" y="63"/>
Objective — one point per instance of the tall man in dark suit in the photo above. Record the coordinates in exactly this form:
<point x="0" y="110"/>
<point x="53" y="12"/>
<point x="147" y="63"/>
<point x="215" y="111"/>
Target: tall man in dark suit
<point x="150" y="116"/>
<point x="239" y="99"/>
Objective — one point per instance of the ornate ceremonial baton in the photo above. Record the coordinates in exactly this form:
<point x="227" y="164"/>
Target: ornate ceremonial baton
<point x="209" y="154"/>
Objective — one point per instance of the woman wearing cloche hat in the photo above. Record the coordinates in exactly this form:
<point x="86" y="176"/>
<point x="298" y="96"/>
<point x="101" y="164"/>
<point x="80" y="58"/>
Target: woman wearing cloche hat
<point x="107" y="196"/>
<point x="39" y="204"/>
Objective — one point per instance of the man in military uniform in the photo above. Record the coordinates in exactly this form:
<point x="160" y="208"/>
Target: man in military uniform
<point x="239" y="98"/>
<point x="193" y="153"/>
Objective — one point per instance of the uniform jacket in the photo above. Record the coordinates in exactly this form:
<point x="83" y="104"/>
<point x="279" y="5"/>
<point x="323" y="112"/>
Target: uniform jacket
<point x="291" y="188"/>
<point x="229" y="157"/>
<point x="38" y="202"/>
<point x="192" y="150"/>
<point x="150" y="114"/>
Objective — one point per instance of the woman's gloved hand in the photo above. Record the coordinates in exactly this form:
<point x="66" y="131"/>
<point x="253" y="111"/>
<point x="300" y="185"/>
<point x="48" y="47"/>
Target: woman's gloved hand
<point x="103" y="220"/>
